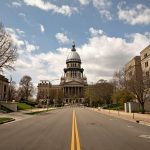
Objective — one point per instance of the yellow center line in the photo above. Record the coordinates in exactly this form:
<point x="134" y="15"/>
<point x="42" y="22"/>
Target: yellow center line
<point x="72" y="139"/>
<point x="77" y="135"/>
<point x="75" y="132"/>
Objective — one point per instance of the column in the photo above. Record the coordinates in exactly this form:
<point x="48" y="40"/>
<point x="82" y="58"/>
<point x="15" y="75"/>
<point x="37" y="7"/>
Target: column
<point x="80" y="91"/>
<point x="75" y="91"/>
<point x="70" y="90"/>
<point x="64" y="92"/>
<point x="67" y="91"/>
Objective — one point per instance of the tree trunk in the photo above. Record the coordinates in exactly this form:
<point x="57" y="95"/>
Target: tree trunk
<point x="142" y="108"/>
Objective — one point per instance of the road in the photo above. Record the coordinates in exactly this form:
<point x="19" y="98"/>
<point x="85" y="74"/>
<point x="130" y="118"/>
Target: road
<point x="71" y="129"/>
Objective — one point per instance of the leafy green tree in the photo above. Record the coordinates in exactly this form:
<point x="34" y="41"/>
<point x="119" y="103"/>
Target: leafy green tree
<point x="99" y="93"/>
<point x="122" y="96"/>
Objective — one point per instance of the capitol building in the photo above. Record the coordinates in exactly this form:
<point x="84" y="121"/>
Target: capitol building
<point x="72" y="83"/>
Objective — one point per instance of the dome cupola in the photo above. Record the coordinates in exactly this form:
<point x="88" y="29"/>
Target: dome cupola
<point x="73" y="56"/>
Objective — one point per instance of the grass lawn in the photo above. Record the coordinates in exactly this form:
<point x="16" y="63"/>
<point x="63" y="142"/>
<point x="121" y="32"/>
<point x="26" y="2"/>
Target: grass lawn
<point x="23" y="106"/>
<point x="117" y="107"/>
<point x="4" y="120"/>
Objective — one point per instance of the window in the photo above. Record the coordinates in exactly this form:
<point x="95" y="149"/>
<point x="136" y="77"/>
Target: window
<point x="147" y="73"/>
<point x="145" y="55"/>
<point x="4" y="88"/>
<point x="146" y="64"/>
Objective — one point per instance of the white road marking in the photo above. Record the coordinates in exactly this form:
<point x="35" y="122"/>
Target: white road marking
<point x="145" y="136"/>
<point x="130" y="126"/>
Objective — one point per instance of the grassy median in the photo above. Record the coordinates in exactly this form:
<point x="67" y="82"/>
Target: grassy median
<point x="5" y="120"/>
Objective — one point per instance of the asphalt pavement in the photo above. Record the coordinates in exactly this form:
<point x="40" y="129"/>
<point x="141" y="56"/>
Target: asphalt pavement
<point x="72" y="128"/>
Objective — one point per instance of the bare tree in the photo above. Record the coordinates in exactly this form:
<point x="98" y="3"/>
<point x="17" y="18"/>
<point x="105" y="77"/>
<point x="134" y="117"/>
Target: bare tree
<point x="26" y="87"/>
<point x="20" y="94"/>
<point x="8" y="50"/>
<point x="12" y="93"/>
<point x="136" y="86"/>
<point x="119" y="80"/>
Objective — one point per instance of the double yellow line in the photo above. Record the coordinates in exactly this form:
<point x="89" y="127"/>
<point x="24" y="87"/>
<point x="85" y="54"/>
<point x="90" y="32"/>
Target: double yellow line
<point x="74" y="132"/>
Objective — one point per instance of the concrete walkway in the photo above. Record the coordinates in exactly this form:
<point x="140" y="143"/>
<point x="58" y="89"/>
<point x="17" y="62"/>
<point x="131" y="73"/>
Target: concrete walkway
<point x="20" y="115"/>
<point x="134" y="117"/>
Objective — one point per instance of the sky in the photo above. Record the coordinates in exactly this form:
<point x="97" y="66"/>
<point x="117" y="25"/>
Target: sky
<point x="107" y="33"/>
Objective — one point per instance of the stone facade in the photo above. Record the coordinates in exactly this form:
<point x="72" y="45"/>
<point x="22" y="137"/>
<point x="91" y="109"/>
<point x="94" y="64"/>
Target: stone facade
<point x="145" y="63"/>
<point x="73" y="82"/>
<point x="133" y="68"/>
<point x="139" y="67"/>
<point x="4" y="83"/>
<point x="43" y="89"/>
<point x="48" y="91"/>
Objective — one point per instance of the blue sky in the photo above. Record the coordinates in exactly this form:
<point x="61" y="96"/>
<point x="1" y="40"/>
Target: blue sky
<point x="107" y="33"/>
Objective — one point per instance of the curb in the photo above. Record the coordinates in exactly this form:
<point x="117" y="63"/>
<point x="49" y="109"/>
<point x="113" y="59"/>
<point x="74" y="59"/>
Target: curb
<point x="7" y="121"/>
<point x="120" y="117"/>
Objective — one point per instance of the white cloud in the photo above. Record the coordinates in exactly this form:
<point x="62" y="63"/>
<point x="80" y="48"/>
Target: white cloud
<point x="30" y="47"/>
<point x="22" y="45"/>
<point x="103" y="7"/>
<point x="46" y="6"/>
<point x="16" y="4"/>
<point x="84" y="2"/>
<point x="21" y="64"/>
<point x="20" y="32"/>
<point x="105" y="14"/>
<point x="95" y="32"/>
<point x="22" y="14"/>
<point x="140" y="14"/>
<point x="102" y="55"/>
<point x="102" y="3"/>
<point x="15" y="37"/>
<point x="62" y="38"/>
<point x="42" y="28"/>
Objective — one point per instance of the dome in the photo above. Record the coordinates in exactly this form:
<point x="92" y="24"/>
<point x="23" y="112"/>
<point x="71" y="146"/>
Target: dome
<point x="73" y="55"/>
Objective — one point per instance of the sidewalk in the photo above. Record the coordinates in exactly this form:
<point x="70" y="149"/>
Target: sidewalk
<point x="20" y="115"/>
<point x="134" y="117"/>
